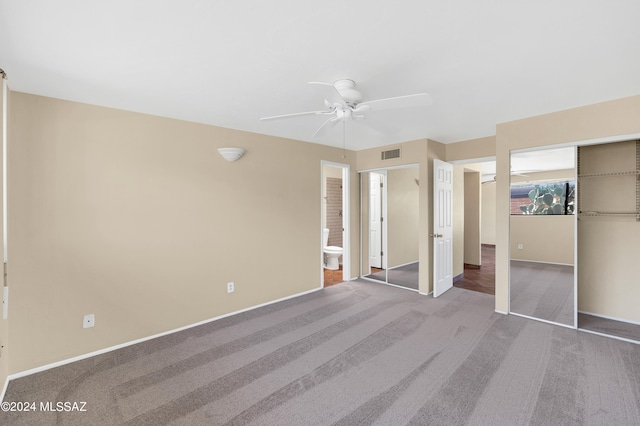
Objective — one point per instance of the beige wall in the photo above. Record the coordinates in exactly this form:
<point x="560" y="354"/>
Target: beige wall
<point x="138" y="220"/>
<point x="603" y="120"/>
<point x="544" y="238"/>
<point x="458" y="220"/>
<point x="472" y="203"/>
<point x="402" y="216"/>
<point x="471" y="149"/>
<point x="4" y="323"/>
<point x="488" y="213"/>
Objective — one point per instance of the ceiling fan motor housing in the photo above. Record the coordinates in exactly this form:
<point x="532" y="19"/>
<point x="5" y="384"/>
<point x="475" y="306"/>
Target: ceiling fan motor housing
<point x="347" y="90"/>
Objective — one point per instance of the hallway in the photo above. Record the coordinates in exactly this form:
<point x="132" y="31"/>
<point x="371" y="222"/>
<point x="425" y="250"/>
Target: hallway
<point x="481" y="279"/>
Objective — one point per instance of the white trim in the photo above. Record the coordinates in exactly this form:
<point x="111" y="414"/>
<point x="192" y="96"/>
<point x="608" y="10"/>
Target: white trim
<point x="611" y="336"/>
<point x="364" y="277"/>
<point x="540" y="261"/>
<point x="346" y="222"/>
<point x="392" y="285"/>
<point x="610" y="318"/>
<point x="4" y="389"/>
<point x="473" y="160"/>
<point x="384" y="169"/>
<point x="402" y="287"/>
<point x="576" y="208"/>
<point x="360" y="264"/>
<point x="5" y="88"/>
<point x="404" y="264"/>
<point x="603" y="140"/>
<point x="501" y="312"/>
<point x="543" y="320"/>
<point x="385" y="222"/>
<point x="144" y="339"/>
<point x="424" y="294"/>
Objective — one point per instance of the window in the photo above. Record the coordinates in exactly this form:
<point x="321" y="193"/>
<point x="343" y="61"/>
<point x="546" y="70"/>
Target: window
<point x="555" y="198"/>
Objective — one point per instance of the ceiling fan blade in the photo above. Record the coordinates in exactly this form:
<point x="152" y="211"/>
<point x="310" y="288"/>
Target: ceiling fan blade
<point x="362" y="107"/>
<point x="330" y="93"/>
<point x="408" y="101"/>
<point x="322" y="130"/>
<point x="297" y="114"/>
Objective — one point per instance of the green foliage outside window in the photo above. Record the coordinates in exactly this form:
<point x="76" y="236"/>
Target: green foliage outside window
<point x="549" y="199"/>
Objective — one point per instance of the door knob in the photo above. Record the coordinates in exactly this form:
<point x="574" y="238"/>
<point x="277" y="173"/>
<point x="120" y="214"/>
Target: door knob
<point x="435" y="235"/>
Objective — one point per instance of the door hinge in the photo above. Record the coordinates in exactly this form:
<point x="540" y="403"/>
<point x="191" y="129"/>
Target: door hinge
<point x="382" y="219"/>
<point x="381" y="184"/>
<point x="381" y="253"/>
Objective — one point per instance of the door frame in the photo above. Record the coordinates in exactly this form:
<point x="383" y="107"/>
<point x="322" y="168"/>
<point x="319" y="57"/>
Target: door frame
<point x="346" y="218"/>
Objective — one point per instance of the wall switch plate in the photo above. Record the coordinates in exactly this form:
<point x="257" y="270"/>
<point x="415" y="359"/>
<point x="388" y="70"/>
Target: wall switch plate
<point x="231" y="287"/>
<point x="89" y="321"/>
<point x="520" y="246"/>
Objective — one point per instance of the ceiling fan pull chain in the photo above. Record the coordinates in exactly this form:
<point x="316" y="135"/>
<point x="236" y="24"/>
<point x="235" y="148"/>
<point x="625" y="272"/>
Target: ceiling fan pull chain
<point x="344" y="139"/>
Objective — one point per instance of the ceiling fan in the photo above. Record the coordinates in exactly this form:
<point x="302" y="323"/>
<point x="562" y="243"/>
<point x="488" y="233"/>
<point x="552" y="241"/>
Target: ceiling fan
<point x="344" y="102"/>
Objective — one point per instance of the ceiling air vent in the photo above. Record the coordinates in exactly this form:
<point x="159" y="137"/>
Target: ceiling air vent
<point x="392" y="153"/>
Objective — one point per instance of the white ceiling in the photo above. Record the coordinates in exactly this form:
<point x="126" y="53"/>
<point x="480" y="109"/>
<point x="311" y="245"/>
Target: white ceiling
<point x="230" y="63"/>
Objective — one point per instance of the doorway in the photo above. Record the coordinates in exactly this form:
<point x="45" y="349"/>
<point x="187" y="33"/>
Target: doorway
<point x="475" y="225"/>
<point x="335" y="224"/>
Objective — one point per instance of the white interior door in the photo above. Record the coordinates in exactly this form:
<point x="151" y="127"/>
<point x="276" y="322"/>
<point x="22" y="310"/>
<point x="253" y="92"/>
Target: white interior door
<point x="375" y="224"/>
<point x="442" y="227"/>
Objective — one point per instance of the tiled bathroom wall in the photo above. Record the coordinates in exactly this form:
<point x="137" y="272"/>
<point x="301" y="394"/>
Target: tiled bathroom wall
<point x="334" y="211"/>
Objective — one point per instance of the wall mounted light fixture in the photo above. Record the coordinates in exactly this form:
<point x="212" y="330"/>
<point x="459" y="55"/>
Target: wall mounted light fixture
<point x="231" y="154"/>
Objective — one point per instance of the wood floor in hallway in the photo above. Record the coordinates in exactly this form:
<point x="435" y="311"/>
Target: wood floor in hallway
<point x="482" y="279"/>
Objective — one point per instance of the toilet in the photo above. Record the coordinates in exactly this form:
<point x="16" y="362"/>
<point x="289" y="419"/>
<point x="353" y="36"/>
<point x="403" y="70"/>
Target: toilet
<point x="331" y="253"/>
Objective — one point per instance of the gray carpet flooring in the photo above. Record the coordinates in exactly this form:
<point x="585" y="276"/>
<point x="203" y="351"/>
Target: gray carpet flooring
<point x="542" y="290"/>
<point x="608" y="326"/>
<point x="403" y="276"/>
<point x="352" y="354"/>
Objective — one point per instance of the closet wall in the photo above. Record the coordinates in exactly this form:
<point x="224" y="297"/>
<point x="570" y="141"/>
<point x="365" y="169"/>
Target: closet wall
<point x="609" y="230"/>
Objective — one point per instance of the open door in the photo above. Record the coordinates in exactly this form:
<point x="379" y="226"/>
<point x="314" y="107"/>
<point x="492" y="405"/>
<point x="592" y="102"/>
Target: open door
<point x="442" y="227"/>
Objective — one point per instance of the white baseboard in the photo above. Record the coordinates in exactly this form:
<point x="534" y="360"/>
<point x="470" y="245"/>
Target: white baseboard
<point x="404" y="264"/>
<point x="501" y="312"/>
<point x="4" y="389"/>
<point x="144" y="339"/>
<point x="610" y="336"/>
<point x="540" y="261"/>
<point x="559" y="324"/>
<point x="609" y="317"/>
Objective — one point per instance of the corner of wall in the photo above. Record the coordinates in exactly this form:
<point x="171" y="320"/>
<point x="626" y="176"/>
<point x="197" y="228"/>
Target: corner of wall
<point x="4" y="322"/>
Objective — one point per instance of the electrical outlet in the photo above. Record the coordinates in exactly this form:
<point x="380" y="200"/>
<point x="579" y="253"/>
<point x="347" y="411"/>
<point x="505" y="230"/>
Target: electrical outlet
<point x="520" y="246"/>
<point x="231" y="287"/>
<point x="89" y="321"/>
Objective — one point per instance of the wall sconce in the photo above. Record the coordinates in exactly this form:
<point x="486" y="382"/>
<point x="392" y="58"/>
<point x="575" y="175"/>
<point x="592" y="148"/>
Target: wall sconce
<point x="231" y="154"/>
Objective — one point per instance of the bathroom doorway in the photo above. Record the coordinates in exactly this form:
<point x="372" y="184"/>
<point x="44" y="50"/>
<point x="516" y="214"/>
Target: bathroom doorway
<point x="334" y="227"/>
